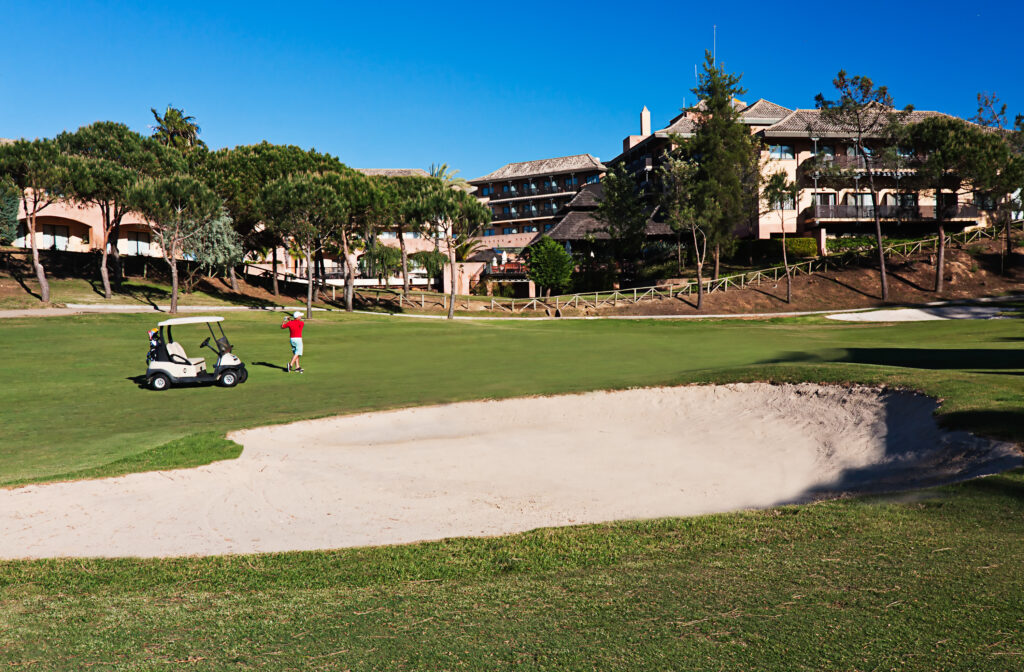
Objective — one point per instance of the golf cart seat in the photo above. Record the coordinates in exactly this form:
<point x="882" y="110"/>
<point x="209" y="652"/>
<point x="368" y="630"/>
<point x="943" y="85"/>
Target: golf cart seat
<point x="177" y="353"/>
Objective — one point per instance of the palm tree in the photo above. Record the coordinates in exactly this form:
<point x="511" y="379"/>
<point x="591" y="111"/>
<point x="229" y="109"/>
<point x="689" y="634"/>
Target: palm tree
<point x="176" y="129"/>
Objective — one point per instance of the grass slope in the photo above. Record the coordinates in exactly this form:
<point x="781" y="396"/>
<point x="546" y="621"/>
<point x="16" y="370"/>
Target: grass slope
<point x="69" y="403"/>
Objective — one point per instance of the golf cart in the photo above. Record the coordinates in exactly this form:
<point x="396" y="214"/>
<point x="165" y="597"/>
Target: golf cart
<point x="168" y="363"/>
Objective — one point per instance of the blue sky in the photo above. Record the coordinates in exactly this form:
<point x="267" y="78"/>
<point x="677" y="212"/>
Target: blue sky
<point x="476" y="85"/>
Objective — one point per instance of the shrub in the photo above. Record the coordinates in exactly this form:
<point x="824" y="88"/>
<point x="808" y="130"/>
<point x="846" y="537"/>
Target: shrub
<point x="802" y="247"/>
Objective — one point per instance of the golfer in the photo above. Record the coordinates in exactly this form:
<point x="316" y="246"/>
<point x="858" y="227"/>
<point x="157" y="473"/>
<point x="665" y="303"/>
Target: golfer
<point x="294" y="327"/>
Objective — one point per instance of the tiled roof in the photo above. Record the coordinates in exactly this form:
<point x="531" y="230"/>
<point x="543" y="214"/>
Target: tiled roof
<point x="562" y="164"/>
<point x="681" y="125"/>
<point x="810" y="122"/>
<point x="6" y="141"/>
<point x="588" y="197"/>
<point x="764" y="109"/>
<point x="577" y="225"/>
<point x="394" y="172"/>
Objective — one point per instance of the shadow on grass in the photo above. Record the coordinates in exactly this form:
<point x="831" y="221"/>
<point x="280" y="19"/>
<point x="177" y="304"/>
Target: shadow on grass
<point x="270" y="366"/>
<point x="1001" y="424"/>
<point x="915" y="358"/>
<point x="19" y="278"/>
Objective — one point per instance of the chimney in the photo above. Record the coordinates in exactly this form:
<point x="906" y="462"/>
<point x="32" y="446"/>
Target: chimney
<point x="631" y="141"/>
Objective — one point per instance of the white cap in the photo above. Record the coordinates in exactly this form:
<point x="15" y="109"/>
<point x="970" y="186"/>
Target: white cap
<point x="297" y="314"/>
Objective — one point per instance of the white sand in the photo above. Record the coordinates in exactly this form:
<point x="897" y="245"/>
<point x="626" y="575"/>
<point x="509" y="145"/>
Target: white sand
<point x="489" y="468"/>
<point x="923" y="314"/>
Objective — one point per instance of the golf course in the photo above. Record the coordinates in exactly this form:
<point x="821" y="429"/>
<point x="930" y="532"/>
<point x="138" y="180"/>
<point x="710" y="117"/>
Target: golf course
<point x="927" y="579"/>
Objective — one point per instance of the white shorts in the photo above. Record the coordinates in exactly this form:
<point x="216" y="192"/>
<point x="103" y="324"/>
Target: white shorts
<point x="296" y="346"/>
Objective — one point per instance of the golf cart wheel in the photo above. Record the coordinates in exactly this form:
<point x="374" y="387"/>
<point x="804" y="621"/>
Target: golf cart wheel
<point x="243" y="375"/>
<point x="228" y="378"/>
<point x="159" y="382"/>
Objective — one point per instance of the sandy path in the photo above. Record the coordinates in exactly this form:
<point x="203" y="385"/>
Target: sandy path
<point x="498" y="467"/>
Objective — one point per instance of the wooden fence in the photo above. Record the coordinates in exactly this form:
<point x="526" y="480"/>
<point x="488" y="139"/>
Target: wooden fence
<point x="615" y="297"/>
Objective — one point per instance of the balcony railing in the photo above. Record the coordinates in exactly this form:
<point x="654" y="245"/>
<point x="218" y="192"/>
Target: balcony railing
<point x="902" y="212"/>
<point x="524" y="214"/>
<point x="824" y="163"/>
<point x="540" y="190"/>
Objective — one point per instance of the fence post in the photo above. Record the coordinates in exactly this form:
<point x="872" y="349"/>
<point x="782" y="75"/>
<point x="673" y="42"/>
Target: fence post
<point x="492" y="304"/>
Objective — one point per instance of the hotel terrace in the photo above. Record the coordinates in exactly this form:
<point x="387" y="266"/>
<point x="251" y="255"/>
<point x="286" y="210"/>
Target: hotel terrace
<point x="803" y="145"/>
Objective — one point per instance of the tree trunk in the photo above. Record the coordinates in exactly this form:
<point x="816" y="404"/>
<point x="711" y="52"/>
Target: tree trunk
<point x="785" y="264"/>
<point x="274" y="274"/>
<point x="940" y="260"/>
<point x="1009" y="239"/>
<point x="679" y="253"/>
<point x="451" y="267"/>
<point x="173" y="262"/>
<point x="718" y="251"/>
<point x="878" y="236"/>
<point x="405" y="262"/>
<point x="349" y="272"/>
<point x="105" y="274"/>
<point x="309" y="284"/>
<point x="112" y="238"/>
<point x="234" y="278"/>
<point x="699" y="262"/>
<point x="44" y="286"/>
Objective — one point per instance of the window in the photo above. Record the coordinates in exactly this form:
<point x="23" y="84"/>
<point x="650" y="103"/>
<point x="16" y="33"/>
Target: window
<point x="593" y="179"/>
<point x="824" y="199"/>
<point x="55" y="237"/>
<point x="530" y="229"/>
<point x="548" y="227"/>
<point x="411" y="234"/>
<point x="488" y="232"/>
<point x="505" y="210"/>
<point x="827" y="151"/>
<point x="905" y="200"/>
<point x="486" y="191"/>
<point x="905" y="152"/>
<point x="388" y="234"/>
<point x="983" y="201"/>
<point x="860" y="200"/>
<point x="509" y="230"/>
<point x="136" y="243"/>
<point x="781" y="151"/>
<point x="504" y="188"/>
<point x="785" y="204"/>
<point x="571" y="182"/>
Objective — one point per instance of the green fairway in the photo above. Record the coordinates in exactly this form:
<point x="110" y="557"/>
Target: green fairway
<point x="919" y="581"/>
<point x="69" y="404"/>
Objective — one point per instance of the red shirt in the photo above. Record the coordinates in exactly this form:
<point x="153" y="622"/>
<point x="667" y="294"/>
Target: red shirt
<point x="294" y="328"/>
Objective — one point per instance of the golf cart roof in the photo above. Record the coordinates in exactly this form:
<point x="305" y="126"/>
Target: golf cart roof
<point x="189" y="320"/>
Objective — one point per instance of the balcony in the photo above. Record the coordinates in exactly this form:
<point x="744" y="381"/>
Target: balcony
<point x="898" y="212"/>
<point x="539" y="190"/>
<point x="524" y="214"/>
<point x="826" y="164"/>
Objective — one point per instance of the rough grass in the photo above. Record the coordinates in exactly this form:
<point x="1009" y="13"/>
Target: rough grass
<point x="926" y="581"/>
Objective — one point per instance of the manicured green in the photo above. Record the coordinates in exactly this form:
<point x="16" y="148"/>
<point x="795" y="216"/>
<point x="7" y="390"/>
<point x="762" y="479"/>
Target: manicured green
<point x="69" y="401"/>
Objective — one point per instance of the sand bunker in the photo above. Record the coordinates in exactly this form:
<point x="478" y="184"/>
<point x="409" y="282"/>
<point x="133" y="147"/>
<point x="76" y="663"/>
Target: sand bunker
<point x="924" y="314"/>
<point x="498" y="467"/>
